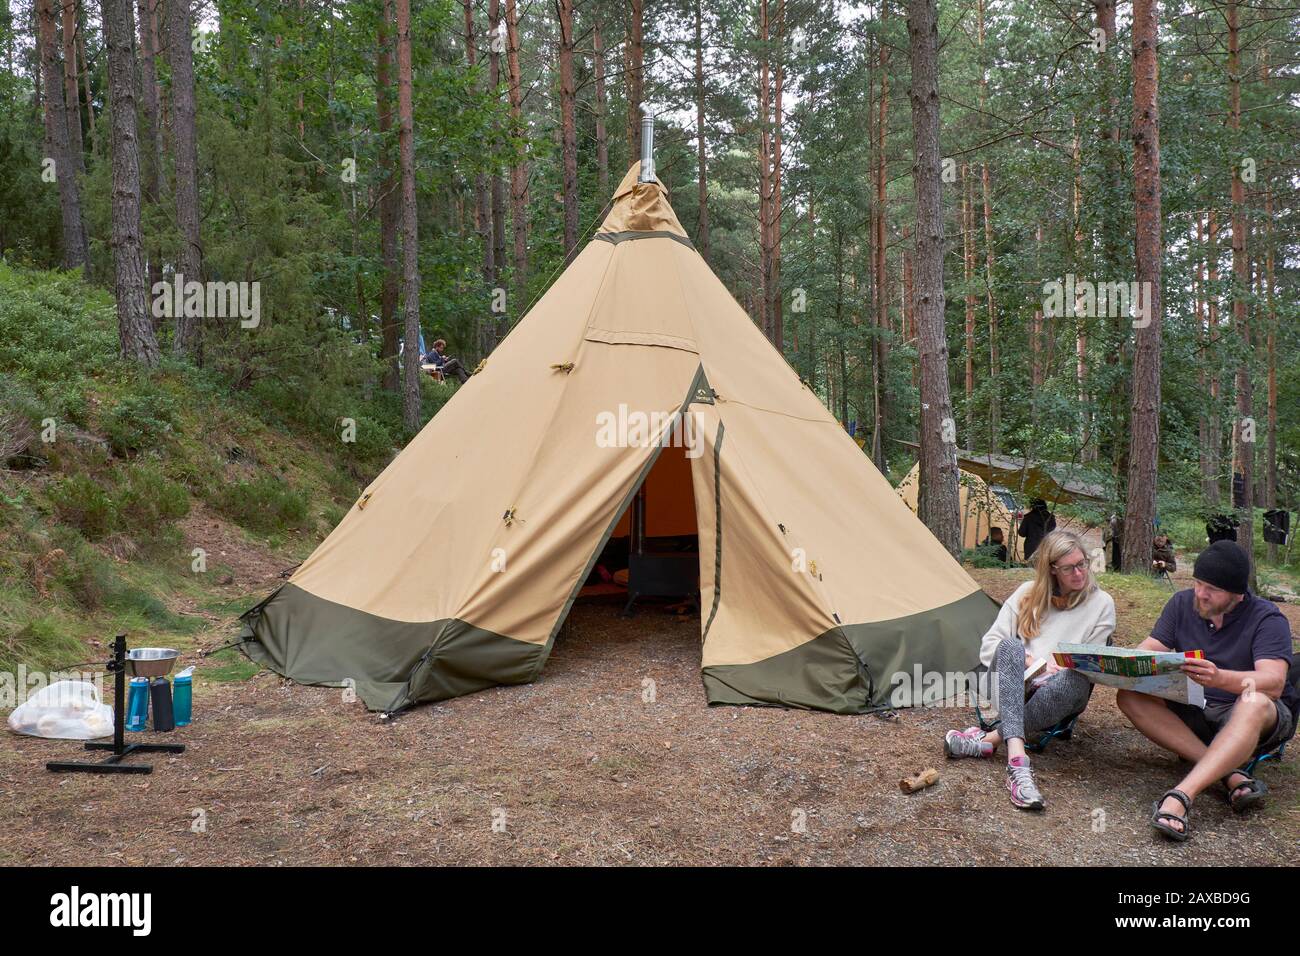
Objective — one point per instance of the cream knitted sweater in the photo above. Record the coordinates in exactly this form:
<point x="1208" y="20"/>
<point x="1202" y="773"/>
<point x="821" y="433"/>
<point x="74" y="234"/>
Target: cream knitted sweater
<point x="1091" y="622"/>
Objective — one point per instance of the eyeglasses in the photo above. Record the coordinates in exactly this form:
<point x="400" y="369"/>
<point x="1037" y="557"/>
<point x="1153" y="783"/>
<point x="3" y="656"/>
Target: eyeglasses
<point x="1079" y="568"/>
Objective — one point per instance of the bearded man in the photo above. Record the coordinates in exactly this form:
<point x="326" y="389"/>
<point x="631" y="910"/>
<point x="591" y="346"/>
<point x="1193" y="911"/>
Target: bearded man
<point x="1251" y="698"/>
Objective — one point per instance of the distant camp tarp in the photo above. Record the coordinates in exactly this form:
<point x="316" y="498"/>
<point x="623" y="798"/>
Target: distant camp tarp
<point x="1052" y="481"/>
<point x="457" y="566"/>
<point x="981" y="510"/>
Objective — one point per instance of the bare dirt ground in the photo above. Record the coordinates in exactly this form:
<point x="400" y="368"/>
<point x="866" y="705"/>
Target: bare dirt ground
<point x="586" y="766"/>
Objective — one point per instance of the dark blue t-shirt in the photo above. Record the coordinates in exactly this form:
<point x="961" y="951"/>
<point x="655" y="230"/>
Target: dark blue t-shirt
<point x="1254" y="630"/>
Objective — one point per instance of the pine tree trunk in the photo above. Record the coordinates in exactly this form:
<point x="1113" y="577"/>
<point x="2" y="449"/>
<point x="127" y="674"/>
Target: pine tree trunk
<point x="36" y="60"/>
<point x="881" y="284"/>
<point x="1244" y="450"/>
<point x="1214" y="497"/>
<point x="134" y="327"/>
<point x="151" y="163"/>
<point x="937" y="504"/>
<point x="1270" y="478"/>
<point x="602" y="137"/>
<point x="1203" y="353"/>
<point x="1111" y="147"/>
<point x="71" y="90"/>
<point x="568" y="127"/>
<point x="486" y="337"/>
<point x="995" y="369"/>
<point x="390" y="202"/>
<point x="909" y="306"/>
<point x="968" y="273"/>
<point x="774" y="306"/>
<point x="1087" y="439"/>
<point x="1036" y="375"/>
<point x="76" y="251"/>
<point x="85" y="79"/>
<point x="1144" y="443"/>
<point x="495" y="48"/>
<point x="519" y="171"/>
<point x="410" y="225"/>
<point x="764" y="173"/>
<point x="1270" y="467"/>
<point x="634" y="55"/>
<point x="188" y="339"/>
<point x="702" y="223"/>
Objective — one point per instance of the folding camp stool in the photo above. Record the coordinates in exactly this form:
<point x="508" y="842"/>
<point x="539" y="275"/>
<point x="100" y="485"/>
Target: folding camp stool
<point x="1292" y="678"/>
<point x="1063" y="729"/>
<point x="1259" y="758"/>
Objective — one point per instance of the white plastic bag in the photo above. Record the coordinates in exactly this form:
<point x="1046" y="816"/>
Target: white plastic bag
<point x="66" y="710"/>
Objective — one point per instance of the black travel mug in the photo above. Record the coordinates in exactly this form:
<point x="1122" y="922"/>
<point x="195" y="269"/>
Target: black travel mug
<point x="160" y="693"/>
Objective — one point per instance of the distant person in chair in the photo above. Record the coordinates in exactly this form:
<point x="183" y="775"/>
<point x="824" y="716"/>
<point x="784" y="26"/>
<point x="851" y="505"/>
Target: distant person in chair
<point x="996" y="544"/>
<point x="1162" y="555"/>
<point x="1250" y="707"/>
<point x="1035" y="525"/>
<point x="447" y="366"/>
<point x="1062" y="604"/>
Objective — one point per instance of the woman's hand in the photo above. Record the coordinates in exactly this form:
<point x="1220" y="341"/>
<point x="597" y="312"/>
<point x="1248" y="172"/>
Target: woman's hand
<point x="1052" y="668"/>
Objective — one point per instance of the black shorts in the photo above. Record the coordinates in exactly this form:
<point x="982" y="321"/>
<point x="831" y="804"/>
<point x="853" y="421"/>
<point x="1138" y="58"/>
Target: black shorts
<point x="1208" y="722"/>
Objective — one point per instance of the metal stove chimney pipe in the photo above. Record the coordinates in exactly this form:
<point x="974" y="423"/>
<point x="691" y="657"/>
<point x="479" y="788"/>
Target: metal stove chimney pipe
<point x="647" y="150"/>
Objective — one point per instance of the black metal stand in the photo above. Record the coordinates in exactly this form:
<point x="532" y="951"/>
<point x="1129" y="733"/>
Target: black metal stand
<point x="119" y="746"/>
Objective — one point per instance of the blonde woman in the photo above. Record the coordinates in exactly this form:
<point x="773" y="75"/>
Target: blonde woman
<point x="1061" y="605"/>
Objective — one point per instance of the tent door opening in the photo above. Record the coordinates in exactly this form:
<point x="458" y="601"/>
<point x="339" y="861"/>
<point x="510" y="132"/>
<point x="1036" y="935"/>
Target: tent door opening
<point x="653" y="551"/>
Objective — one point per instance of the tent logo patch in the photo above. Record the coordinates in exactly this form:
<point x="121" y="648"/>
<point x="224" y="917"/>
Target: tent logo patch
<point x="629" y="429"/>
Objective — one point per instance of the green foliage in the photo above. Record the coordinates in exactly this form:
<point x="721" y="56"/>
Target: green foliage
<point x="148" y="500"/>
<point x="140" y="422"/>
<point x="88" y="577"/>
<point x="982" y="557"/>
<point x="264" y="504"/>
<point x="82" y="503"/>
<point x="142" y="502"/>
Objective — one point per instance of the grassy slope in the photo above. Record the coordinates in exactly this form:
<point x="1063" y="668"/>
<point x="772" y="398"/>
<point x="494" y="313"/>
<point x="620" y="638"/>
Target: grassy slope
<point x="97" y="527"/>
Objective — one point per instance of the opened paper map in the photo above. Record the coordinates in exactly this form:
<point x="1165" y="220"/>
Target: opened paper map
<point x="1158" y="673"/>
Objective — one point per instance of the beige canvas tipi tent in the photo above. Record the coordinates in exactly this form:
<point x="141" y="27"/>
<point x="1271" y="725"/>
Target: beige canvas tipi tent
<point x="456" y="567"/>
<point x="981" y="510"/>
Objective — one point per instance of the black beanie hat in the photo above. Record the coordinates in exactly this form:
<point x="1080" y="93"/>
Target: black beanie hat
<point x="1225" y="565"/>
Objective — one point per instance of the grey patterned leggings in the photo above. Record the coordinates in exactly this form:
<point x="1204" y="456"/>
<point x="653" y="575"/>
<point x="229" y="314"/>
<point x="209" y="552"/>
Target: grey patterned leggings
<point x="1063" y="694"/>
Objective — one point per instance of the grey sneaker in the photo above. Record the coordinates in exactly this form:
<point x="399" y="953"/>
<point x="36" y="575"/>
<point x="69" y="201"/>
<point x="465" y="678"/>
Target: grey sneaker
<point x="1024" y="792"/>
<point x="966" y="743"/>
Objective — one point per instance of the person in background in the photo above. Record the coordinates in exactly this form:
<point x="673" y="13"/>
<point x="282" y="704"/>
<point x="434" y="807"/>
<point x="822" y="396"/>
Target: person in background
<point x="1035" y="525"/>
<point x="1249" y="707"/>
<point x="1162" y="555"/>
<point x="996" y="543"/>
<point x="1114" y="536"/>
<point x="437" y="357"/>
<point x="1062" y="604"/>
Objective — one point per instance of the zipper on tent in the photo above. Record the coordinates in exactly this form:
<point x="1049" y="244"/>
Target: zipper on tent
<point x="717" y="532"/>
<point x="405" y="692"/>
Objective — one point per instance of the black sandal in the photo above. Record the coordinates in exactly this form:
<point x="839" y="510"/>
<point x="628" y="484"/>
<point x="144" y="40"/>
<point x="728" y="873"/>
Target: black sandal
<point x="1160" y="818"/>
<point x="1256" y="790"/>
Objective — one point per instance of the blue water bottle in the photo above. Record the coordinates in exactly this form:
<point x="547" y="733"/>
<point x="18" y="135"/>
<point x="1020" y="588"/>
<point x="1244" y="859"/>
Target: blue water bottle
<point x="137" y="706"/>
<point x="183" y="696"/>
